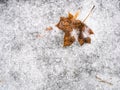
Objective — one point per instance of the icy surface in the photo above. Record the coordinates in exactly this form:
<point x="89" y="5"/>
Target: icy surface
<point x="32" y="58"/>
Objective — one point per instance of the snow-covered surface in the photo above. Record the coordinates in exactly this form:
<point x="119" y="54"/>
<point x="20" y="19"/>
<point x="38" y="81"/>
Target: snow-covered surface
<point x="32" y="58"/>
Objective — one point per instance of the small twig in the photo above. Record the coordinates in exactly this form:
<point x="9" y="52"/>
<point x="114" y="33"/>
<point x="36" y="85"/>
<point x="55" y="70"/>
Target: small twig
<point x="89" y="13"/>
<point x="104" y="81"/>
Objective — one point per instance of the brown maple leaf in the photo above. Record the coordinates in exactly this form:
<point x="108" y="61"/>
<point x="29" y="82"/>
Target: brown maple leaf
<point x="67" y="24"/>
<point x="68" y="39"/>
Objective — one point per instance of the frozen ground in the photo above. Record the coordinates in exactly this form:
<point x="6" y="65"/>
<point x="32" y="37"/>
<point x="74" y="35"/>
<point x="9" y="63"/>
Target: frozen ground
<point x="28" y="62"/>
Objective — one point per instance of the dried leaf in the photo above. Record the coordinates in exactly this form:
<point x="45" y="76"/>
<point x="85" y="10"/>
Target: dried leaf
<point x="87" y="40"/>
<point x="70" y="16"/>
<point x="81" y="41"/>
<point x="68" y="39"/>
<point x="76" y="24"/>
<point x="67" y="24"/>
<point x="81" y="38"/>
<point x="76" y="14"/>
<point x="86" y="28"/>
<point x="90" y="31"/>
<point x="49" y="28"/>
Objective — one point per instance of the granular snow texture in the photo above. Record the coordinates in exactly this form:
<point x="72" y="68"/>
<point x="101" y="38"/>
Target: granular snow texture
<point x="32" y="58"/>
